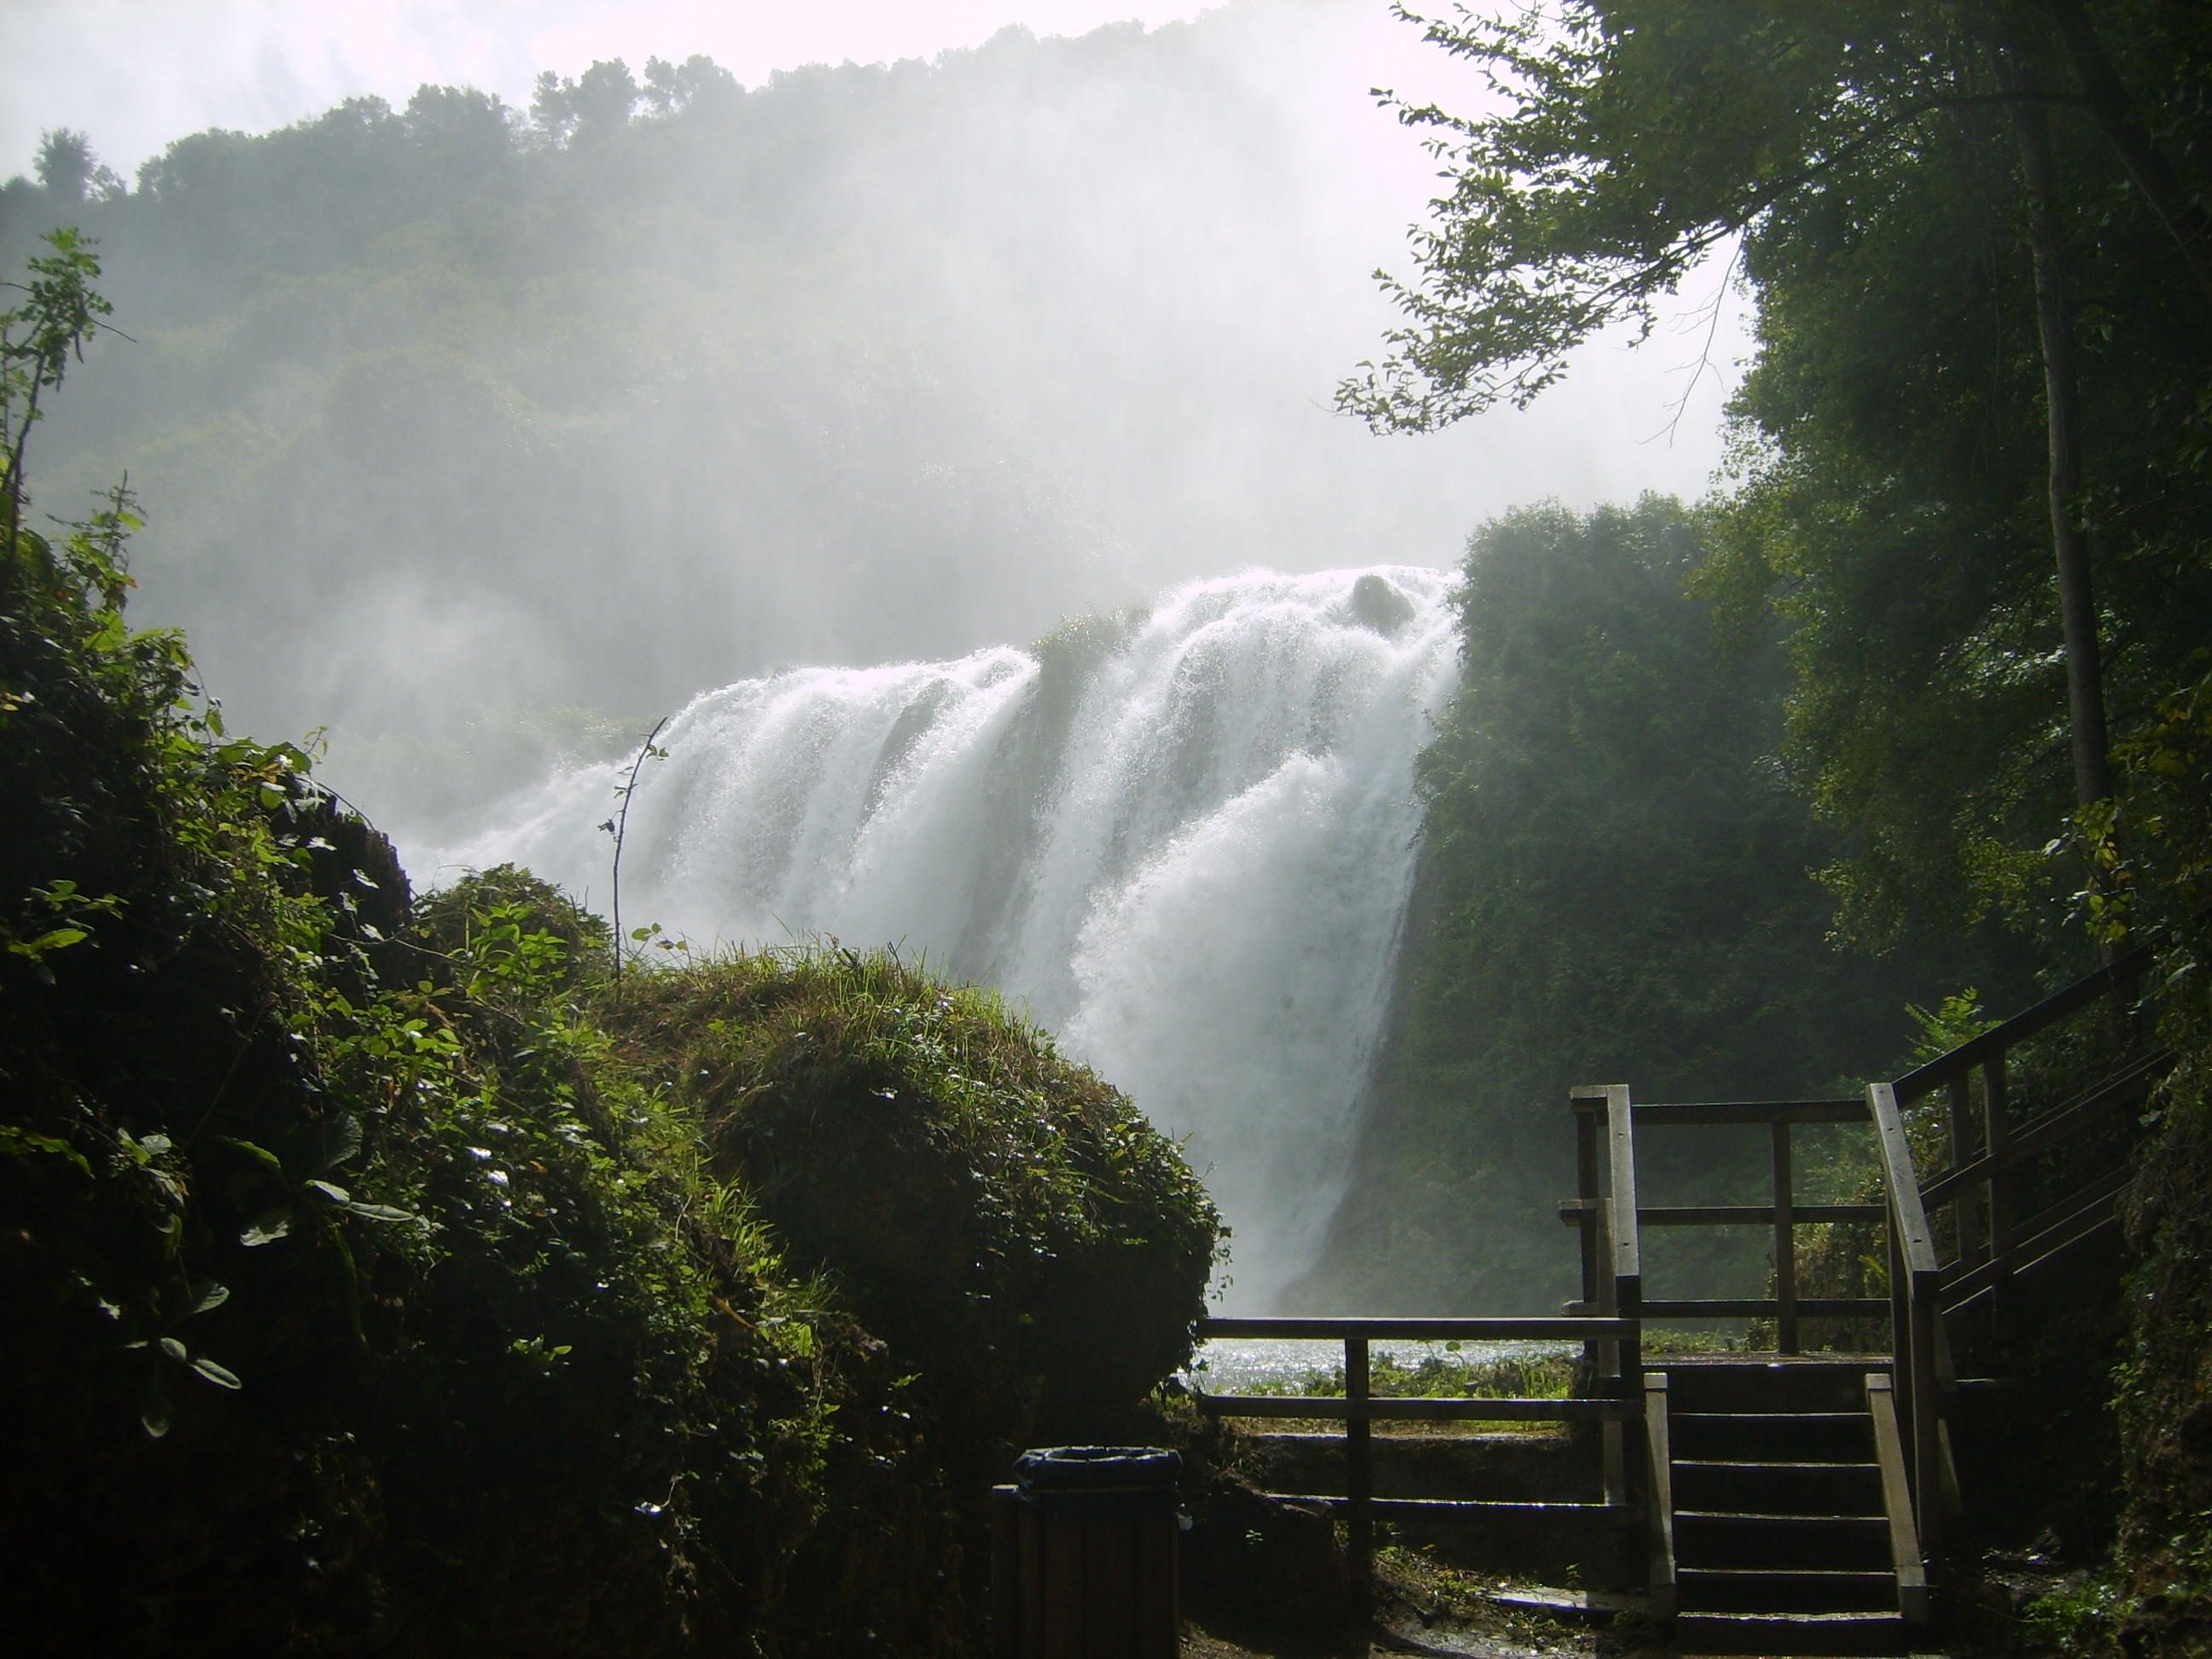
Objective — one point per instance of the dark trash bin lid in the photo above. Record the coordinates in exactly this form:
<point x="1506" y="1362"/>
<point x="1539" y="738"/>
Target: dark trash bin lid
<point x="1094" y="1482"/>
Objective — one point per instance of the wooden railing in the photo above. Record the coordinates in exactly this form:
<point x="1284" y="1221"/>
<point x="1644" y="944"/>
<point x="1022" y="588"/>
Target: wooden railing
<point x="1919" y="1358"/>
<point x="1359" y="1407"/>
<point x="1990" y="1151"/>
<point x="1783" y="1213"/>
<point x="1910" y="1402"/>
<point x="1609" y="1219"/>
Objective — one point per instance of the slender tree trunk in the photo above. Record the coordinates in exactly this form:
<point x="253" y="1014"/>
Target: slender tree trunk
<point x="2085" y="679"/>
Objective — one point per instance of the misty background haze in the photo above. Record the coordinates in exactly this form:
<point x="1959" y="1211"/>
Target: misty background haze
<point x="480" y="457"/>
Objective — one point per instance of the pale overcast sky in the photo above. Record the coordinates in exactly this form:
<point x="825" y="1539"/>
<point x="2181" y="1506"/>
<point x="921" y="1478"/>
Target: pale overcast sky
<point x="136" y="73"/>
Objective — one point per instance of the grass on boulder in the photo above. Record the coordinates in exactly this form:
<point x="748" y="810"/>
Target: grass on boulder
<point x="1008" y="1222"/>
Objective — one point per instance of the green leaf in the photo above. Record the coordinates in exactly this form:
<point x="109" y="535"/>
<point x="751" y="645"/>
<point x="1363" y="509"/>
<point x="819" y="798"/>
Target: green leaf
<point x="211" y="1296"/>
<point x="267" y="1227"/>
<point x="324" y="1189"/>
<point x="58" y="939"/>
<point x="175" y="1349"/>
<point x="261" y="1155"/>
<point x="21" y="1143"/>
<point x="341" y="1142"/>
<point x="155" y="1409"/>
<point x="221" y="1376"/>
<point x="382" y="1213"/>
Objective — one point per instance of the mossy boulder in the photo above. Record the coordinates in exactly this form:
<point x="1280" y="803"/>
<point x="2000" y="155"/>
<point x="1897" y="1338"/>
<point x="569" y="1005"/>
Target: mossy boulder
<point x="1008" y="1222"/>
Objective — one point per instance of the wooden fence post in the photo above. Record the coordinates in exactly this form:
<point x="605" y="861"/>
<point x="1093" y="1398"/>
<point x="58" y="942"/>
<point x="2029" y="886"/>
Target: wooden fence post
<point x="1359" y="1474"/>
<point x="1966" y="1212"/>
<point x="1996" y="1138"/>
<point x="1785" y="1245"/>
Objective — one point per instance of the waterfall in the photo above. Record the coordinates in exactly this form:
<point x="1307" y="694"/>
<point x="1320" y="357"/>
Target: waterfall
<point x="1183" y="839"/>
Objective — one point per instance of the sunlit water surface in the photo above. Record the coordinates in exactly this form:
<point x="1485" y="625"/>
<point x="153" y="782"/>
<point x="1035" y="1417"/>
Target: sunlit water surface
<point x="1231" y="1364"/>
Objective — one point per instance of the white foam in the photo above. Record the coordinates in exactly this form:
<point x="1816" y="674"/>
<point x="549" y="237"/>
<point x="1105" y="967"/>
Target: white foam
<point x="1198" y="880"/>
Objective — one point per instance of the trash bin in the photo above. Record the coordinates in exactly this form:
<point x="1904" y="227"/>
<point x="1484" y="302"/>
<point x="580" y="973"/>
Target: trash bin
<point x="1083" y="1555"/>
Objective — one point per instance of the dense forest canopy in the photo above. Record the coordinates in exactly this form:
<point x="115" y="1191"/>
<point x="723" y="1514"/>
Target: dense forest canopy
<point x="1894" y="490"/>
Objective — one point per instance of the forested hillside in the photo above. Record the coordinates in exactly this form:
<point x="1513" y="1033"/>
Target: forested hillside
<point x="1938" y="638"/>
<point x="386" y="1274"/>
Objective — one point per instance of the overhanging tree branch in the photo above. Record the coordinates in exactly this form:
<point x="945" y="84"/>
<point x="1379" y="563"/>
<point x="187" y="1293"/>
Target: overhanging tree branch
<point x="2106" y="98"/>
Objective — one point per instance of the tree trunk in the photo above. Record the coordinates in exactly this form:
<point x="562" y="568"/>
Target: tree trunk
<point x="2085" y="680"/>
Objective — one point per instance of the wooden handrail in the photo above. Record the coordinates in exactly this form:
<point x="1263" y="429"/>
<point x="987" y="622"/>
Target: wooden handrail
<point x="1543" y="1329"/>
<point x="1762" y="1307"/>
<point x="1757" y="1215"/>
<point x="1359" y="1407"/>
<point x="1900" y="1179"/>
<point x="2105" y="981"/>
<point x="1906" y="1559"/>
<point x="1752" y="1111"/>
<point x="2061" y="1123"/>
<point x="1414" y="1408"/>
<point x="1659" y="1508"/>
<point x="1990" y="1154"/>
<point x="1915" y="1288"/>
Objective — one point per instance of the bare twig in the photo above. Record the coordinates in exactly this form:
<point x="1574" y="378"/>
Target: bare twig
<point x="618" y="827"/>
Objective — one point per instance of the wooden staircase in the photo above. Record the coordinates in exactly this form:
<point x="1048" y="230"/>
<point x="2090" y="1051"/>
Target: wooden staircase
<point x="1795" y="1504"/>
<point x="1786" y="1524"/>
<point x="1788" y="1503"/>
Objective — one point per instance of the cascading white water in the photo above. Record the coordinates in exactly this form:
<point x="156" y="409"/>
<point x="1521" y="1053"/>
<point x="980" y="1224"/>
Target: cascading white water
<point x="1185" y="840"/>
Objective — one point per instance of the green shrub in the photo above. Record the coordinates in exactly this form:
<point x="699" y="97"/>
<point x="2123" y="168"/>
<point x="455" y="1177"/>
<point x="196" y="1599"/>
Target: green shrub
<point x="379" y="1276"/>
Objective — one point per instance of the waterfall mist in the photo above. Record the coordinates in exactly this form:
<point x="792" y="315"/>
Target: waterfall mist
<point x="480" y="447"/>
<point x="1183" y="838"/>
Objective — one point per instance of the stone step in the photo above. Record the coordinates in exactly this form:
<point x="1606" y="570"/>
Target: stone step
<point x="1764" y="1386"/>
<point x="1749" y="1487"/>
<point x="1780" y="1436"/>
<point x="1736" y="1589"/>
<point x="1779" y="1634"/>
<point x="1849" y="1543"/>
